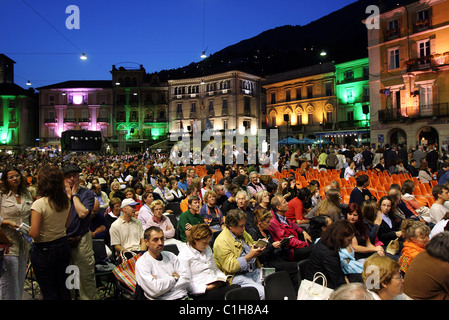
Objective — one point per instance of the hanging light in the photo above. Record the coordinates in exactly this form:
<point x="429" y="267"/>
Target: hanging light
<point x="28" y="83"/>
<point x="202" y="81"/>
<point x="83" y="56"/>
<point x="203" y="55"/>
<point x="323" y="53"/>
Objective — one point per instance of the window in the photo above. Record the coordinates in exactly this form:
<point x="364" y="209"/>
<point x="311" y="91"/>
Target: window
<point x="225" y="124"/>
<point x="393" y="59"/>
<point x="350" y="115"/>
<point x="423" y="15"/>
<point x="121" y="116"/>
<point x="247" y="106"/>
<point x="287" y="95"/>
<point x="328" y="88"/>
<point x="298" y="94"/>
<point x="424" y="51"/>
<point x="310" y="118"/>
<point x="309" y="92"/>
<point x="103" y="99"/>
<point x="179" y="108"/>
<point x="85" y="114"/>
<point x="425" y="95"/>
<point x="349" y="95"/>
<point x="393" y="28"/>
<point x="273" y="121"/>
<point x="273" y="97"/>
<point x="134" y="116"/>
<point x="349" y="74"/>
<point x="224" y="109"/>
<point x="211" y="106"/>
<point x="329" y="117"/>
<point x="365" y="71"/>
<point x="70" y="114"/>
<point x="299" y="119"/>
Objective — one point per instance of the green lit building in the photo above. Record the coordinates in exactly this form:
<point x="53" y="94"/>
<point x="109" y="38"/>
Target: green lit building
<point x="140" y="109"/>
<point x="353" y="108"/>
<point x="17" y="109"/>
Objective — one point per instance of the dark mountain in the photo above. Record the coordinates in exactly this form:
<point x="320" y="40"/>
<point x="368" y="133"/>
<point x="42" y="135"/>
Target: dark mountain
<point x="341" y="34"/>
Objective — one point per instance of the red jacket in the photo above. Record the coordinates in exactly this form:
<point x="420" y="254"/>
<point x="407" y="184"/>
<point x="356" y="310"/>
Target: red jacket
<point x="295" y="210"/>
<point x="279" y="230"/>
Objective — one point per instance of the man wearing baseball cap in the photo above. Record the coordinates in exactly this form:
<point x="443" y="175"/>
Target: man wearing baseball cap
<point x="127" y="232"/>
<point x="82" y="203"/>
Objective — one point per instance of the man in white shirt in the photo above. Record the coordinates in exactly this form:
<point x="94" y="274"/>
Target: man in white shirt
<point x="438" y="210"/>
<point x="127" y="232"/>
<point x="159" y="273"/>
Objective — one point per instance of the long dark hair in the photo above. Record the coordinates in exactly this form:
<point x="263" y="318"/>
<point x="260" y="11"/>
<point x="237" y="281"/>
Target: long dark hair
<point x="333" y="236"/>
<point x="360" y="224"/>
<point x="51" y="184"/>
<point x="4" y="188"/>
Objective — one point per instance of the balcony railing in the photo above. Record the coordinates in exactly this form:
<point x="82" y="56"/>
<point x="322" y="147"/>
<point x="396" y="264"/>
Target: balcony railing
<point x="50" y="120"/>
<point x="436" y="110"/>
<point x="391" y="34"/>
<point x="69" y="120"/>
<point x="428" y="62"/>
<point x="422" y="25"/>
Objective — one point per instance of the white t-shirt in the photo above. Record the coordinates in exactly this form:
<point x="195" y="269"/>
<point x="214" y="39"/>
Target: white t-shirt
<point x="437" y="212"/>
<point x="126" y="234"/>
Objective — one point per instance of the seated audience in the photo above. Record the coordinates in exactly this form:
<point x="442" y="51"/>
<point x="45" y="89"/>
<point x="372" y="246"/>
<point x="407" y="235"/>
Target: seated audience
<point x="236" y="255"/>
<point x="159" y="273"/>
<point x="207" y="281"/>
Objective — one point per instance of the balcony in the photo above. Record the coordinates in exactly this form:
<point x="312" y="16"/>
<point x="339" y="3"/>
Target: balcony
<point x="433" y="111"/>
<point x="422" y="25"/>
<point x="428" y="62"/>
<point x="50" y="120"/>
<point x="69" y="120"/>
<point x="353" y="124"/>
<point x="391" y="34"/>
<point x="81" y="120"/>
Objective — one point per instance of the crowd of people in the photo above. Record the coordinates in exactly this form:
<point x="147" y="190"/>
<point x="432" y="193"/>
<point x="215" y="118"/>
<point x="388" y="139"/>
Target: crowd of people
<point x="228" y="222"/>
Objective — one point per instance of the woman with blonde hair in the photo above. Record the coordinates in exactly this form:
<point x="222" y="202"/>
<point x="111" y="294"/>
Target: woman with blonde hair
<point x="116" y="191"/>
<point x="330" y="205"/>
<point x="262" y="200"/>
<point x="383" y="278"/>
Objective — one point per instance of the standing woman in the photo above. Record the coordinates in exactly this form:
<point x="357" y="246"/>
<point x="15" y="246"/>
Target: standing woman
<point x="50" y="252"/>
<point x="16" y="203"/>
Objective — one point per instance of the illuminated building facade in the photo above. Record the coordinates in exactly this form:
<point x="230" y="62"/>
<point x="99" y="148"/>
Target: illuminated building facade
<point x="352" y="91"/>
<point x="75" y="105"/>
<point x="18" y="107"/>
<point x="409" y="73"/>
<point x="140" y="109"/>
<point x="229" y="100"/>
<point x="302" y="102"/>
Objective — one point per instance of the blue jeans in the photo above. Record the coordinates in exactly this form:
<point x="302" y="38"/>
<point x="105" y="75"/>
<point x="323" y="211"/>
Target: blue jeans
<point x="250" y="279"/>
<point x="50" y="261"/>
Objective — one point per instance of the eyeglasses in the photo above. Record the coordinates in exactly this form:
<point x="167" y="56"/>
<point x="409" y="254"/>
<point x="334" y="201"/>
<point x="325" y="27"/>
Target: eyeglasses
<point x="398" y="277"/>
<point x="13" y="177"/>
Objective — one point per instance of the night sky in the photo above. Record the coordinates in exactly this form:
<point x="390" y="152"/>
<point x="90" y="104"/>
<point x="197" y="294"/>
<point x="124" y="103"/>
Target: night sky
<point x="160" y="35"/>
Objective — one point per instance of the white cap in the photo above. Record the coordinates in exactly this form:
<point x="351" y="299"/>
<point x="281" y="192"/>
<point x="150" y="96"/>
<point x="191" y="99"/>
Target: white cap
<point x="128" y="202"/>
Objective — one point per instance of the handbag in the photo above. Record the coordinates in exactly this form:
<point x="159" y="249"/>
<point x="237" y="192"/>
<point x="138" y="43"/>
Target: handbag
<point x="393" y="247"/>
<point x="310" y="290"/>
<point x="126" y="272"/>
